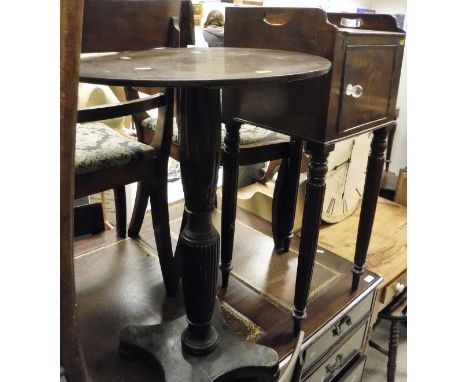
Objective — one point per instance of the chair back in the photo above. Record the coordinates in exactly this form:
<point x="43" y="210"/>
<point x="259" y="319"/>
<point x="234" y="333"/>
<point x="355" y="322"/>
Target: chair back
<point x="127" y="25"/>
<point x="131" y="25"/>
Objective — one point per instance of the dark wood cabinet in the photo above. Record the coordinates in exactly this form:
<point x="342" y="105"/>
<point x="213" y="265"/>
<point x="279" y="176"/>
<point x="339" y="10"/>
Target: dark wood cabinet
<point x="358" y="95"/>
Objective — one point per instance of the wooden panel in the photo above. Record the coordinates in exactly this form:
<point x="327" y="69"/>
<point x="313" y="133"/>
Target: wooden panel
<point x="368" y="22"/>
<point x="387" y="249"/>
<point x="134" y="25"/>
<point x="371" y="69"/>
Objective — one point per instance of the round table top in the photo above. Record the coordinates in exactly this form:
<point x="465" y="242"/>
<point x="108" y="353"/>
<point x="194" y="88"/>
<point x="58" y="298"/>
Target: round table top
<point x="210" y="67"/>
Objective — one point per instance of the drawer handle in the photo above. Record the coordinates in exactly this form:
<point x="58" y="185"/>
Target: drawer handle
<point x="350" y="23"/>
<point x="276" y="19"/>
<point x="338" y="362"/>
<point x="337" y="327"/>
<point x="354" y="90"/>
<point x="399" y="288"/>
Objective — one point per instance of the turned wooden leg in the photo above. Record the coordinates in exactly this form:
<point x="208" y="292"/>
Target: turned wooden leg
<point x="120" y="212"/>
<point x="162" y="232"/>
<point x="199" y="240"/>
<point x="315" y="190"/>
<point x="285" y="197"/>
<point x="139" y="210"/>
<point x="369" y="201"/>
<point x="229" y="198"/>
<point x="392" y="350"/>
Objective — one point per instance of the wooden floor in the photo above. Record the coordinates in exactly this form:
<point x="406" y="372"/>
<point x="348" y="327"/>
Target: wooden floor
<point x="119" y="283"/>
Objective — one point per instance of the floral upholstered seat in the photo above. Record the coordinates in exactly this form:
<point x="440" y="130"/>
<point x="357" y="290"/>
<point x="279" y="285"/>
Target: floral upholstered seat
<point x="99" y="147"/>
<point x="249" y="134"/>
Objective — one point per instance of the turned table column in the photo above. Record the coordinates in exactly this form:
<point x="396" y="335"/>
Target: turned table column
<point x="199" y="240"/>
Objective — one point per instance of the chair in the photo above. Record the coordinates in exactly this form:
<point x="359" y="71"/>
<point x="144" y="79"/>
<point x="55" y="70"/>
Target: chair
<point x="104" y="159"/>
<point x="396" y="313"/>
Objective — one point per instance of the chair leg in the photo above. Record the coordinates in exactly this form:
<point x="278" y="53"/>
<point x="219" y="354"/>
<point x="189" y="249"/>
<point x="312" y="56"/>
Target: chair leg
<point x="120" y="211"/>
<point x="229" y="198"/>
<point x="392" y="351"/>
<point x="177" y="252"/>
<point x="285" y="197"/>
<point x="139" y="210"/>
<point x="162" y="233"/>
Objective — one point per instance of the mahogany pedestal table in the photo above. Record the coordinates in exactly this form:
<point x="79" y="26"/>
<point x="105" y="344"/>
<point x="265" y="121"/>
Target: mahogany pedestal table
<point x="198" y="347"/>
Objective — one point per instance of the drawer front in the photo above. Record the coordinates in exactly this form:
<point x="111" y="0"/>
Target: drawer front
<point x="333" y="364"/>
<point x="337" y="331"/>
<point x="367" y="85"/>
<point x="391" y="290"/>
<point x="354" y="372"/>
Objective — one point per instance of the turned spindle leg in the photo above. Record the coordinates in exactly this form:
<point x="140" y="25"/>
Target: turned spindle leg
<point x="392" y="350"/>
<point x="369" y="201"/>
<point x="199" y="240"/>
<point x="315" y="191"/>
<point x="285" y="197"/>
<point x="229" y="199"/>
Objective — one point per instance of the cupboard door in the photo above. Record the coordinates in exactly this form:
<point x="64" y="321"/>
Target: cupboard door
<point x="367" y="85"/>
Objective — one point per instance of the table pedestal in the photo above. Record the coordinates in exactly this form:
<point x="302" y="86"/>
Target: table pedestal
<point x="194" y="348"/>
<point x="231" y="360"/>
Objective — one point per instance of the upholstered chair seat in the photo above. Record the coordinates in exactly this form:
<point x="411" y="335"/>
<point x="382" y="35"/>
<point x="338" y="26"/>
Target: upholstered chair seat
<point x="99" y="147"/>
<point x="249" y="134"/>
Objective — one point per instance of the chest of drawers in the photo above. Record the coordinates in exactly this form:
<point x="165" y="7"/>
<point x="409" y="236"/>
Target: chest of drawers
<point x="336" y="328"/>
<point x="335" y="353"/>
<point x="338" y="343"/>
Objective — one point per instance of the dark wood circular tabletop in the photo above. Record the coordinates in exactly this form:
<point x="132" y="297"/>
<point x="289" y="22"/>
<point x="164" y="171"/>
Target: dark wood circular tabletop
<point x="210" y="67"/>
